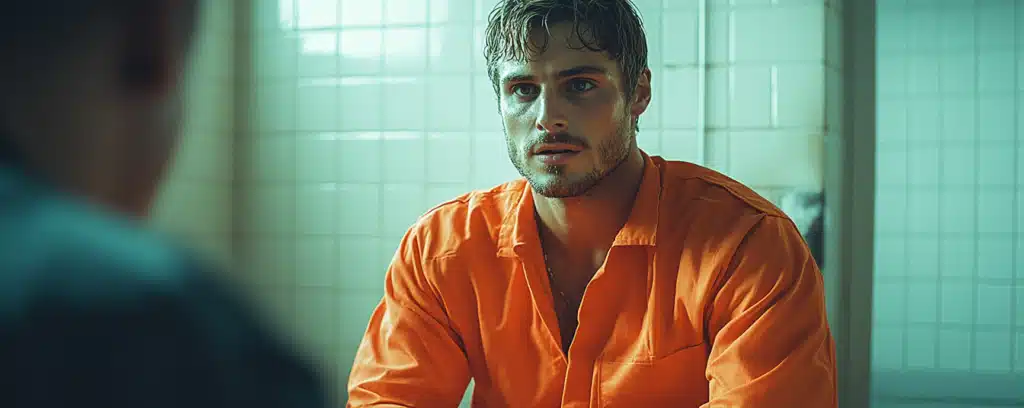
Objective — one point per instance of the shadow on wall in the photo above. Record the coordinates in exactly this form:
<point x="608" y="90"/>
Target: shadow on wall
<point x="807" y="209"/>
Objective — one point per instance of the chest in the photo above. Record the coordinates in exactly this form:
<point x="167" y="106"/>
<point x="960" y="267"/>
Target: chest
<point x="628" y="326"/>
<point x="567" y="282"/>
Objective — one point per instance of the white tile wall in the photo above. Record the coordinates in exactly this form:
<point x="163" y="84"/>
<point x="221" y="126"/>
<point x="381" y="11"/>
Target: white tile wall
<point x="949" y="295"/>
<point x="365" y="113"/>
<point x="195" y="205"/>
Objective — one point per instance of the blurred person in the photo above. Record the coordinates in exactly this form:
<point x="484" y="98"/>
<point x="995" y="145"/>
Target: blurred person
<point x="94" y="310"/>
<point x="605" y="277"/>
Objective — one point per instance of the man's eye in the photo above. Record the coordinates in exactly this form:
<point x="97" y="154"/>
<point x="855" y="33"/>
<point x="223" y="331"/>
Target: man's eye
<point x="581" y="85"/>
<point x="524" y="89"/>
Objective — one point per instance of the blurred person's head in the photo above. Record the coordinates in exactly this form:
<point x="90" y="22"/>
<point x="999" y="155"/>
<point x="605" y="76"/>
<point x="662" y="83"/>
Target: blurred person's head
<point x="572" y="80"/>
<point x="91" y="97"/>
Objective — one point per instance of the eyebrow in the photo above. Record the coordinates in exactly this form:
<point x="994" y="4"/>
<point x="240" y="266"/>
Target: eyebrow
<point x="574" y="71"/>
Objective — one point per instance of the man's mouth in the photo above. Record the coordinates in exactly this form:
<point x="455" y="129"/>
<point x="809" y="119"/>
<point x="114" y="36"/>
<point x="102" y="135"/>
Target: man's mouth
<point x="556" y="148"/>
<point x="556" y="153"/>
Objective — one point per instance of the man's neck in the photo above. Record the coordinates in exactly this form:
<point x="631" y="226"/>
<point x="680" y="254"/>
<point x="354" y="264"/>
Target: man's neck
<point x="586" y="225"/>
<point x="79" y="175"/>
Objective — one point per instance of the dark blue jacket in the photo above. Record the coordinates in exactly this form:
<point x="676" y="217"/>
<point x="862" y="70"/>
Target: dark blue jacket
<point x="97" y="312"/>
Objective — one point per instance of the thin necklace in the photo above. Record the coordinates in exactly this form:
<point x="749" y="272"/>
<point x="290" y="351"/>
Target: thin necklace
<point x="551" y="279"/>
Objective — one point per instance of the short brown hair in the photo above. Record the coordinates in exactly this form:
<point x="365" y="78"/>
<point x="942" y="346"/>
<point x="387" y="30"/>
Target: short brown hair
<point x="612" y="26"/>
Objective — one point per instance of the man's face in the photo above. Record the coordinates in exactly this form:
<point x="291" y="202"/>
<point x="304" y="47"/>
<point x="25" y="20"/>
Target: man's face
<point x="133" y="107"/>
<point x="147" y="103"/>
<point x="105" y="129"/>
<point x="567" y="122"/>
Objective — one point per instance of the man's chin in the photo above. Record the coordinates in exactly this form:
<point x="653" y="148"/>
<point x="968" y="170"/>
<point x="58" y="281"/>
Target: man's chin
<point x="554" y="193"/>
<point x="558" y="187"/>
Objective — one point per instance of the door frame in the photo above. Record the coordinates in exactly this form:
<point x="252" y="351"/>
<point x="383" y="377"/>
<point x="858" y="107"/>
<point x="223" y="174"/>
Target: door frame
<point x="850" y="201"/>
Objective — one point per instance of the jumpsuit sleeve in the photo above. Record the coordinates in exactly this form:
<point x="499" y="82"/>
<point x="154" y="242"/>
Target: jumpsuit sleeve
<point x="410" y="355"/>
<point x="770" y="341"/>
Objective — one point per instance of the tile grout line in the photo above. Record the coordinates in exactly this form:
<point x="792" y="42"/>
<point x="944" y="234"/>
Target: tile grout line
<point x="938" y="213"/>
<point x="973" y="347"/>
<point x="381" y="151"/>
<point x="472" y="134"/>
<point x="906" y="210"/>
<point x="426" y="124"/>
<point x="1015" y="225"/>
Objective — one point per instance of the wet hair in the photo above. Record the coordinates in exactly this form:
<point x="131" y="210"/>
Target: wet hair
<point x="611" y="26"/>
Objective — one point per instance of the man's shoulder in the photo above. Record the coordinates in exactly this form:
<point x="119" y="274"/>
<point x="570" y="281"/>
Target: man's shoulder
<point x="504" y="196"/>
<point x="473" y="218"/>
<point x="718" y="220"/>
<point x="63" y="260"/>
<point x="56" y="248"/>
<point x="687" y="185"/>
<point x="701" y="205"/>
<point x="90" y="299"/>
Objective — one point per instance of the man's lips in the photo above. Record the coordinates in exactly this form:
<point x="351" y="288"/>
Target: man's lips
<point x="556" y="153"/>
<point x="556" y="148"/>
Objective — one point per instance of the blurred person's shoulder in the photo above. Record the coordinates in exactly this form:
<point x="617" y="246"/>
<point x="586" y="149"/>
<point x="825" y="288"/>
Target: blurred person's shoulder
<point x="61" y="257"/>
<point x="54" y="245"/>
<point x="89" y="299"/>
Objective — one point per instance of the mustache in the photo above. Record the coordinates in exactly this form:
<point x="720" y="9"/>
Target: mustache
<point x="560" y="138"/>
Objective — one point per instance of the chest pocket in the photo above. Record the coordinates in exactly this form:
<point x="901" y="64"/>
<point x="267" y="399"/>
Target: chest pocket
<point x="676" y="380"/>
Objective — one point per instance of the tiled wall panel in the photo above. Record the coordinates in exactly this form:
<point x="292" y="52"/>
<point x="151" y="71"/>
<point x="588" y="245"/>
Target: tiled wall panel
<point x="949" y="295"/>
<point x="365" y="113"/>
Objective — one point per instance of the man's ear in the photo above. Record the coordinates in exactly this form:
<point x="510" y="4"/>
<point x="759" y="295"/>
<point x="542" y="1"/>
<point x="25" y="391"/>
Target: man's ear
<point x="641" y="94"/>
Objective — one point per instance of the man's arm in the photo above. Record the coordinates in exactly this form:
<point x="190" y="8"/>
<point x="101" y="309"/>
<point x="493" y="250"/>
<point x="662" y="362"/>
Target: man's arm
<point x="771" y="345"/>
<point x="410" y="356"/>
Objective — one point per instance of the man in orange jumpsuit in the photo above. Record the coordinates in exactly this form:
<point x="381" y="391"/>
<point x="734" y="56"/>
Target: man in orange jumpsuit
<point x="605" y="277"/>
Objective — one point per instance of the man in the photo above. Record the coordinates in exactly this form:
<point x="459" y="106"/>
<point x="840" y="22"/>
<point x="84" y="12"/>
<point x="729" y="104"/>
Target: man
<point x="94" y="311"/>
<point x="606" y="278"/>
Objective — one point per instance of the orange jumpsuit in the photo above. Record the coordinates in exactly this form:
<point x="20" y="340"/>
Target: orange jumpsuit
<point x="708" y="297"/>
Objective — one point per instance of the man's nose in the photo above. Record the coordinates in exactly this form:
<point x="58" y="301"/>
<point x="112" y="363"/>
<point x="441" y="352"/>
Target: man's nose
<point x="551" y="117"/>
